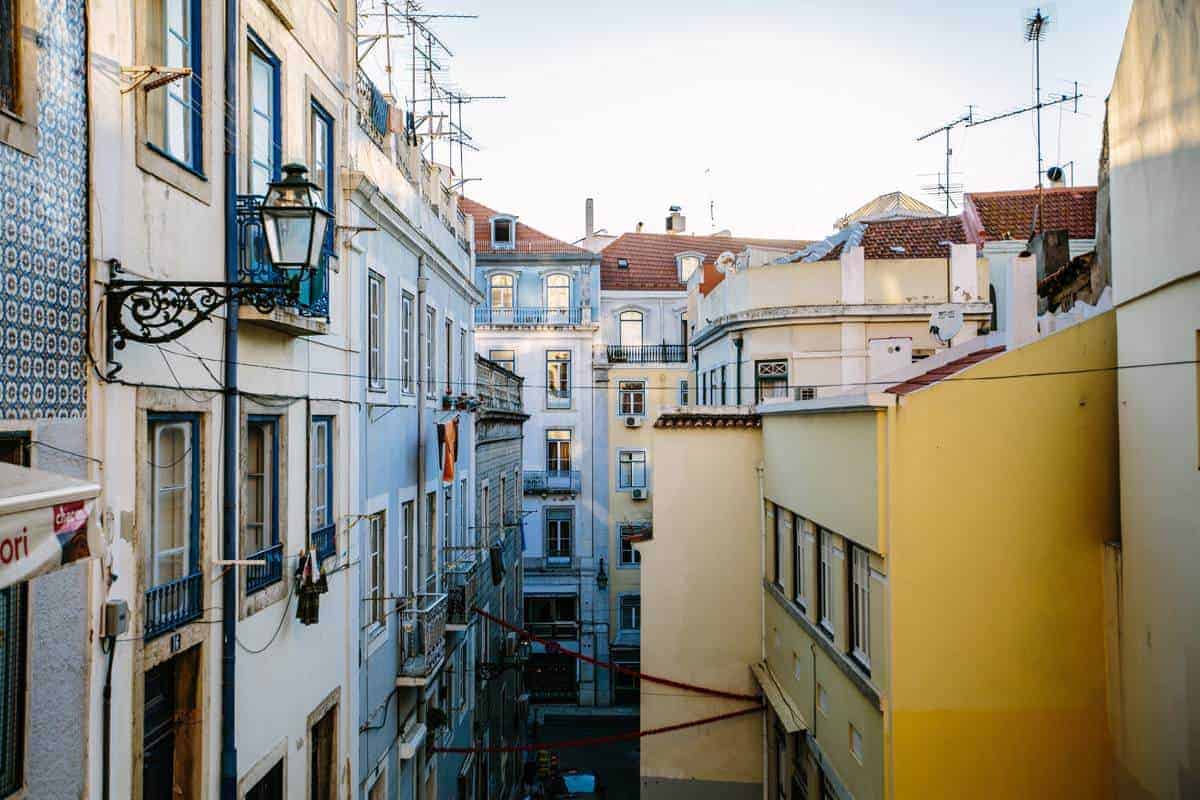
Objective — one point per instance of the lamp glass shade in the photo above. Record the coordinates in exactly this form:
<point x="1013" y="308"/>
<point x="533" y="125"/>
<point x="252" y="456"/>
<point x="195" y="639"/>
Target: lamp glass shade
<point x="294" y="222"/>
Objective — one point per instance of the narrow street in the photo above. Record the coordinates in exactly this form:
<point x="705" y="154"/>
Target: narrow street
<point x="615" y="764"/>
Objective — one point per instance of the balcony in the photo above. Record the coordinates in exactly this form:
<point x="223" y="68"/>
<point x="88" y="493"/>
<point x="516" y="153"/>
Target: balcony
<point x="422" y="638"/>
<point x="528" y="316"/>
<point x="647" y="354"/>
<point x="461" y="578"/>
<point x="260" y="577"/>
<point x="554" y="630"/>
<point x="324" y="542"/>
<point x="303" y="312"/>
<point x="551" y="563"/>
<point x="174" y="604"/>
<point x="545" y="482"/>
<point x="373" y="111"/>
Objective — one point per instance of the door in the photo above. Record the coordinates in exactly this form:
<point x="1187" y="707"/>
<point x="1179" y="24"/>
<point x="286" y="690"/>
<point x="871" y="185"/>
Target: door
<point x="270" y="786"/>
<point x="324" y="748"/>
<point x="158" y="736"/>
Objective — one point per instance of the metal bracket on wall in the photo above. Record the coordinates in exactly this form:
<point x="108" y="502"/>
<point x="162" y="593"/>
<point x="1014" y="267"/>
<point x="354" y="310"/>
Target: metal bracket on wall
<point x="153" y="312"/>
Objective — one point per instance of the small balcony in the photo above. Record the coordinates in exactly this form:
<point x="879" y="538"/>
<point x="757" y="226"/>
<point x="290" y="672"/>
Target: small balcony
<point x="373" y="111"/>
<point x="174" y="604"/>
<point x="647" y="354"/>
<point x="546" y="482"/>
<point x="324" y="541"/>
<point x="554" y="630"/>
<point x="461" y="578"/>
<point x="304" y="312"/>
<point x="552" y="563"/>
<point x="260" y="577"/>
<point x="422" y="638"/>
<point x="529" y="316"/>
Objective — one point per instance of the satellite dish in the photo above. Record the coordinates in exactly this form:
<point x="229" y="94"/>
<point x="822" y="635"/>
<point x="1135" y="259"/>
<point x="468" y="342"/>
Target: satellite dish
<point x="726" y="263"/>
<point x="945" y="322"/>
<point x="1055" y="174"/>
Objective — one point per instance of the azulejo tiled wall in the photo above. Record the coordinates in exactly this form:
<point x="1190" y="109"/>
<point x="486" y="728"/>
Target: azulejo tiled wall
<point x="43" y="234"/>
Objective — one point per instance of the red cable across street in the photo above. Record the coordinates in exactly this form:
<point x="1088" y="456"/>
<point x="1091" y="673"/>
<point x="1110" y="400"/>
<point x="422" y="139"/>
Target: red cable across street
<point x="555" y="647"/>
<point x="615" y="737"/>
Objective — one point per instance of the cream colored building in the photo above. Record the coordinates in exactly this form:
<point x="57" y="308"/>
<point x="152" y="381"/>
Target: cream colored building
<point x="1153" y="193"/>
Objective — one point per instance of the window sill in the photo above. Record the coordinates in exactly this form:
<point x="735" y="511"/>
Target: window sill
<point x="183" y="165"/>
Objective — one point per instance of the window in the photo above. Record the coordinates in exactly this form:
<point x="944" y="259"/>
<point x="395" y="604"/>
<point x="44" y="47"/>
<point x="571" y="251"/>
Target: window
<point x="260" y="487"/>
<point x="270" y="786"/>
<point x="463" y="350"/>
<point x="630" y="332"/>
<point x="376" y="568"/>
<point x="781" y="761"/>
<point x="320" y="484"/>
<point x="321" y="157"/>
<point x="505" y="358"/>
<point x="630" y="555"/>
<point x="485" y="515"/>
<point x="856" y="743"/>
<point x="631" y="613"/>
<point x="172" y="548"/>
<point x="500" y="291"/>
<point x="375" y="330"/>
<point x="502" y="233"/>
<point x="14" y="602"/>
<point x="10" y="42"/>
<point x="683" y="329"/>
<point x="558" y="292"/>
<point x="559" y="545"/>
<point x="265" y="124"/>
<point x="430" y="539"/>
<point x="558" y="450"/>
<point x="631" y="469"/>
<point x="687" y="265"/>
<point x="825" y="582"/>
<point x="723" y="398"/>
<point x="406" y="555"/>
<point x="632" y="398"/>
<point x="860" y="606"/>
<point x="551" y="616"/>
<point x="430" y="351"/>
<point x="449" y="536"/>
<point x="800" y="561"/>
<point x="175" y="126"/>
<point x="464" y="534"/>
<point x="770" y="380"/>
<point x="558" y="378"/>
<point x="799" y="769"/>
<point x="503" y="504"/>
<point x="806" y="392"/>
<point x="449" y="376"/>
<point x="782" y="540"/>
<point x="683" y="392"/>
<point x="407" y="306"/>
<point x="704" y="389"/>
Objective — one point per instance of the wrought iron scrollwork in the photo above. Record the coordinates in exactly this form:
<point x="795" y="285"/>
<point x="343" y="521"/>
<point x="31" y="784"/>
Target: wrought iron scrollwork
<point x="153" y="312"/>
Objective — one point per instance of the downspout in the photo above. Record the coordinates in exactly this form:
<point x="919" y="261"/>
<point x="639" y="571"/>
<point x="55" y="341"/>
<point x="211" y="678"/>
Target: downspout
<point x="419" y="505"/>
<point x="762" y="594"/>
<point x="230" y="422"/>
<point x="737" y="343"/>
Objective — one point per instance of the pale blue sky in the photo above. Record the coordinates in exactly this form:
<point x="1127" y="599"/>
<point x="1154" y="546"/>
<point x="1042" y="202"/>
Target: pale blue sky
<point x="801" y="110"/>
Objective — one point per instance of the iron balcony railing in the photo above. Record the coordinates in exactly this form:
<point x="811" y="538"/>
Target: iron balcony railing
<point x="311" y="296"/>
<point x="547" y="481"/>
<point x="647" y="354"/>
<point x="554" y="630"/>
<point x="422" y="634"/>
<point x="373" y="110"/>
<point x="528" y="316"/>
<point x="324" y="542"/>
<point x="551" y="563"/>
<point x="174" y="604"/>
<point x="461" y="578"/>
<point x="260" y="577"/>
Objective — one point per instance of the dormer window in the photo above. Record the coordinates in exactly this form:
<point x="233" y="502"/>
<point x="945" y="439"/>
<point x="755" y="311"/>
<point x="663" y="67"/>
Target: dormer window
<point x="622" y="263"/>
<point x="687" y="263"/>
<point x="504" y="233"/>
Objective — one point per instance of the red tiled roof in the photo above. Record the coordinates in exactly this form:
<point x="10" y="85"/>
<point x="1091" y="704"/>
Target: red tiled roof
<point x="936" y="374"/>
<point x="651" y="257"/>
<point x="530" y="241"/>
<point x="1009" y="215"/>
<point x="919" y="238"/>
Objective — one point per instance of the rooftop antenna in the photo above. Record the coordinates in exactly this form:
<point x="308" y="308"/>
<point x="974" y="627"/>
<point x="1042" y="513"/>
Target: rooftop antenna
<point x="458" y="133"/>
<point x="1035" y="30"/>
<point x="946" y="187"/>
<point x="712" y="206"/>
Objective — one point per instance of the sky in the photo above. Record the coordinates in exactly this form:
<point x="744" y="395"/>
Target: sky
<point x="782" y="115"/>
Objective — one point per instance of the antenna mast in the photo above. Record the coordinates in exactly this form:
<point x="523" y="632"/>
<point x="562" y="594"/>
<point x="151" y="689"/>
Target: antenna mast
<point x="947" y="188"/>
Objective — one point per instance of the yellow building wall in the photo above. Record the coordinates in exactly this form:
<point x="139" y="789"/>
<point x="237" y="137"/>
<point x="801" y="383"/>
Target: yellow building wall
<point x="1003" y="494"/>
<point x="701" y="590"/>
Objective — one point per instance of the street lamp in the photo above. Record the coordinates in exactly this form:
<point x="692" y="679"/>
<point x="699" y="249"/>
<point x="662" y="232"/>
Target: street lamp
<point x="294" y="221"/>
<point x="601" y="577"/>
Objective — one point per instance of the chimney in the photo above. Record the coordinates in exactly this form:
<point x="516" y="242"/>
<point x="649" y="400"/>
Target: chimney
<point x="676" y="221"/>
<point x="640" y="225"/>
<point x="1020" y="301"/>
<point x="589" y="218"/>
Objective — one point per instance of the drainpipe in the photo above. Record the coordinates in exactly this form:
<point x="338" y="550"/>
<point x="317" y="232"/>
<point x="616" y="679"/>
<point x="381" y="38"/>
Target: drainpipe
<point x="737" y="343"/>
<point x="419" y="506"/>
<point x="759" y="470"/>
<point x="230" y="423"/>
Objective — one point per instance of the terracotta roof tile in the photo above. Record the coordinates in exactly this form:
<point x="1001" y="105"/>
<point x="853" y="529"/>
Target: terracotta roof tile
<point x="651" y="257"/>
<point x="944" y="371"/>
<point x="530" y="241"/>
<point x="994" y="216"/>
<point x="908" y="238"/>
<point x="707" y="419"/>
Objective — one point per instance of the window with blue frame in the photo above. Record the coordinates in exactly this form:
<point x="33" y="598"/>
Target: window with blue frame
<point x="321" y="158"/>
<point x="266" y="131"/>
<point x="171" y="544"/>
<point x="320" y="483"/>
<point x="260" y="502"/>
<point x="174" y="110"/>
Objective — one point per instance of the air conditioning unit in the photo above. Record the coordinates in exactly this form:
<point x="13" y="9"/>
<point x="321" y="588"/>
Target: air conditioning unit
<point x="641" y="494"/>
<point x="633" y="422"/>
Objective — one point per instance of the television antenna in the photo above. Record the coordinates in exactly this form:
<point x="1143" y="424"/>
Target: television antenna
<point x="1035" y="31"/>
<point x="947" y="187"/>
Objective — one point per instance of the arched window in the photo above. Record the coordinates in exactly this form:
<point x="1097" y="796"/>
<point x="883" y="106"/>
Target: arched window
<point x="558" y="292"/>
<point x="687" y="264"/>
<point x="501" y="291"/>
<point x="631" y="328"/>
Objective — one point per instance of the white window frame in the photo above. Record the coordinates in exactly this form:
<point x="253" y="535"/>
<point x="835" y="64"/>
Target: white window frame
<point x="635" y="601"/>
<point x="160" y="460"/>
<point x="511" y="288"/>
<point x="554" y="401"/>
<point x="825" y="611"/>
<point x="377" y="572"/>
<point x="635" y="559"/>
<point x="631" y="390"/>
<point x="768" y="370"/>
<point x="800" y="560"/>
<point x="860" y="606"/>
<point x="683" y="392"/>
<point x="408" y="565"/>
<point x="640" y="321"/>
<point x="622" y="485"/>
<point x="512" y="232"/>
<point x="549" y="290"/>
<point x="559" y="514"/>
<point x="448" y="326"/>
<point x="407" y="320"/>
<point x="430" y="351"/>
<point x="376" y="330"/>
<point x="681" y="261"/>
